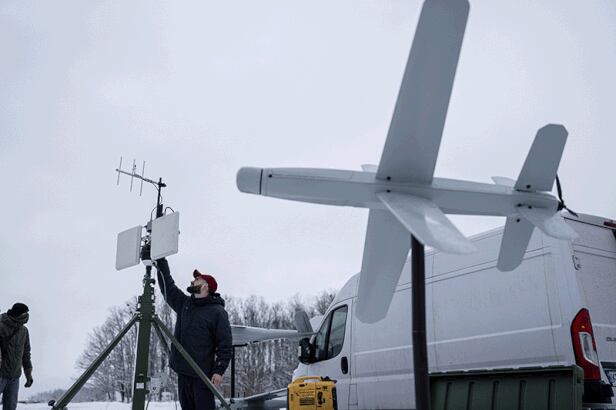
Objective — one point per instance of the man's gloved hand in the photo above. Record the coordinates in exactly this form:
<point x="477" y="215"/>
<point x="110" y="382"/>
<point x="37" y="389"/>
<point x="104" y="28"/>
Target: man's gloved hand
<point x="216" y="380"/>
<point x="29" y="379"/>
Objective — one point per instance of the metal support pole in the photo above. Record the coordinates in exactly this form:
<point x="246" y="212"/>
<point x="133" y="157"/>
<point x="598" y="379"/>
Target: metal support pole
<point x="191" y="362"/>
<point x="420" y="348"/>
<point x="163" y="341"/>
<point x="63" y="401"/>
<point x="141" y="380"/>
<point x="146" y="312"/>
<point x="233" y="374"/>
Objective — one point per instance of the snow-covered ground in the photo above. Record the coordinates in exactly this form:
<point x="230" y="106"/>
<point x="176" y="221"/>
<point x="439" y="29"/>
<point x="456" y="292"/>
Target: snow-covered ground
<point x="102" y="406"/>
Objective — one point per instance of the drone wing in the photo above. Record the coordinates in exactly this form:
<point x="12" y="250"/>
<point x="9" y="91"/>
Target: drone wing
<point x="424" y="219"/>
<point x="275" y="399"/>
<point x="411" y="150"/>
<point x="418" y="120"/>
<point x="243" y="335"/>
<point x="385" y="251"/>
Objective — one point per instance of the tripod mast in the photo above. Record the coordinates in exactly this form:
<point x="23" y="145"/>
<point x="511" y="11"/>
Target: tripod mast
<point x="145" y="314"/>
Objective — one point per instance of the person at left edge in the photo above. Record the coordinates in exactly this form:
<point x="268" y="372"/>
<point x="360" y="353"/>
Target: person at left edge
<point x="202" y="328"/>
<point x="15" y="354"/>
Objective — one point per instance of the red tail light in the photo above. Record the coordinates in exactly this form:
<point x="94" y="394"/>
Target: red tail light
<point x="584" y="345"/>
<point x="610" y="224"/>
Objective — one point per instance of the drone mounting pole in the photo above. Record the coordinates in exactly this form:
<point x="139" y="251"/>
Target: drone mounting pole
<point x="420" y="348"/>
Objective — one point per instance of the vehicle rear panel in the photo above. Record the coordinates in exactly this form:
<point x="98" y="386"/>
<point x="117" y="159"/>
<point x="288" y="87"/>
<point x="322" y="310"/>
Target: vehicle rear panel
<point x="595" y="251"/>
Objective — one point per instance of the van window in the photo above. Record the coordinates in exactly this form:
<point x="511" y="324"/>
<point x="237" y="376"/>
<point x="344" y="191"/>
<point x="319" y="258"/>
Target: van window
<point x="336" y="333"/>
<point x="329" y="339"/>
<point x="320" y="340"/>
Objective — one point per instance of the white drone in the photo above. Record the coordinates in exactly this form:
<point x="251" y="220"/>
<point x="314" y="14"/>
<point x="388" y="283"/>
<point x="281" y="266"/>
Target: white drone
<point x="403" y="195"/>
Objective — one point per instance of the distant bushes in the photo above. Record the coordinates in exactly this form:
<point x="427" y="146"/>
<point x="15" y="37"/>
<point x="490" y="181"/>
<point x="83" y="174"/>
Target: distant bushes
<point x="259" y="367"/>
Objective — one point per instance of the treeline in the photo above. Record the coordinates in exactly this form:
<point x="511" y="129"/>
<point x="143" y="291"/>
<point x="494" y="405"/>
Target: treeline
<point x="260" y="367"/>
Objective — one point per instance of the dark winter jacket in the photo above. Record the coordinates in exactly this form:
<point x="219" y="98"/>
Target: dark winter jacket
<point x="14" y="345"/>
<point x="202" y="327"/>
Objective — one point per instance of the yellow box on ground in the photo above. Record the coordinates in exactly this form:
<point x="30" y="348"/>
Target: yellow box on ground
<point x="312" y="393"/>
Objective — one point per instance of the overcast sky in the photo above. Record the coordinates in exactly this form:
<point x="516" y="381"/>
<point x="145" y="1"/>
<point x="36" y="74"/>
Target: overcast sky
<point x="199" y="89"/>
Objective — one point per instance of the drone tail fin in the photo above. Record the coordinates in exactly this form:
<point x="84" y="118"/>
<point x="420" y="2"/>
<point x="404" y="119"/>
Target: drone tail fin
<point x="538" y="174"/>
<point x="515" y="241"/>
<point x="519" y="229"/>
<point x="551" y="223"/>
<point x="302" y="322"/>
<point x="539" y="170"/>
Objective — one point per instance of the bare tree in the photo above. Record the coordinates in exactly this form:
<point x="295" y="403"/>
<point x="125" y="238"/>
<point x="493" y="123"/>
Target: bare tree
<point x="260" y="367"/>
<point x="323" y="300"/>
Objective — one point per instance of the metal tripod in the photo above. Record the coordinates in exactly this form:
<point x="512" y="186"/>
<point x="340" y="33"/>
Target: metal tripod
<point x="147" y="319"/>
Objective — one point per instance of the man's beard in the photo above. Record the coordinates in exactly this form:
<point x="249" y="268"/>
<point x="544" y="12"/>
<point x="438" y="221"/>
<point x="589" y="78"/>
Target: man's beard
<point x="193" y="290"/>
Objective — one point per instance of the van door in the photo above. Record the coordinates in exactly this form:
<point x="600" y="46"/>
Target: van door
<point x="332" y="350"/>
<point x="595" y="253"/>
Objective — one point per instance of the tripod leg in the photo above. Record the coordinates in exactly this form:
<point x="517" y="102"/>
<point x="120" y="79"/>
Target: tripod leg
<point x="158" y="323"/>
<point x="162" y="339"/>
<point x="70" y="393"/>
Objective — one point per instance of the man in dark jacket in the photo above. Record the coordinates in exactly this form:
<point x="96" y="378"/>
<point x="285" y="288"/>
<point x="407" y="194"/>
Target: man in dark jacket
<point x="203" y="329"/>
<point x="15" y="349"/>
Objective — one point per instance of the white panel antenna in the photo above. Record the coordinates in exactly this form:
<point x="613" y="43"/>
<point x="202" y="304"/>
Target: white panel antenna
<point x="128" y="247"/>
<point x="165" y="235"/>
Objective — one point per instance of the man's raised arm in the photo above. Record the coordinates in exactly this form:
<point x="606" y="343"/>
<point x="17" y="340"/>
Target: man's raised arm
<point x="172" y="294"/>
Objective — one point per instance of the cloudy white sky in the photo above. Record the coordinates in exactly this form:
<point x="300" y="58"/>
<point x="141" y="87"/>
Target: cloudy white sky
<point x="199" y="89"/>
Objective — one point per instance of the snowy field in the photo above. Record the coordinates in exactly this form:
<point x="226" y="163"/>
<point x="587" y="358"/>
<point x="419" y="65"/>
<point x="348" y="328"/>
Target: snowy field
<point x="101" y="406"/>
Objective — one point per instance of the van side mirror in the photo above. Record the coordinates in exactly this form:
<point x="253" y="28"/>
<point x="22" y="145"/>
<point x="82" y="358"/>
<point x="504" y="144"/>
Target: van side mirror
<point x="306" y="351"/>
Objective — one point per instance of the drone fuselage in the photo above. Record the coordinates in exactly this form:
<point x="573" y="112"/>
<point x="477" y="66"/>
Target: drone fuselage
<point x="360" y="189"/>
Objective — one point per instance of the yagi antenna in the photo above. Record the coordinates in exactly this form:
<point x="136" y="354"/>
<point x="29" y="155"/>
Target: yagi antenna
<point x="133" y="174"/>
<point x="163" y="231"/>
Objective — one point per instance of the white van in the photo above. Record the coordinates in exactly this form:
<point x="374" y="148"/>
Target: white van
<point x="557" y="308"/>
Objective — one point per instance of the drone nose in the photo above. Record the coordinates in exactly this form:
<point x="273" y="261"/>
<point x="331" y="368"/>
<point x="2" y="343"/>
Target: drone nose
<point x="249" y="180"/>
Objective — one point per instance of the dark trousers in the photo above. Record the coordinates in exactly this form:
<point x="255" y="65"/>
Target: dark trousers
<point x="194" y="394"/>
<point x="9" y="388"/>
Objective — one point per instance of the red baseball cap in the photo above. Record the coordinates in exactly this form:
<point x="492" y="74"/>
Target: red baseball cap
<point x="211" y="282"/>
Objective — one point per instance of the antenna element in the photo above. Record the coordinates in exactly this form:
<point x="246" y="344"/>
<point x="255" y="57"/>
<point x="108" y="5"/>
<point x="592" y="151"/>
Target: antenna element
<point x="133" y="174"/>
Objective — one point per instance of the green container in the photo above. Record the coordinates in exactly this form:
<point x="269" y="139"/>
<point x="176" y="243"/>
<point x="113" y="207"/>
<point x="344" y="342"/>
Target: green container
<point x="546" y="388"/>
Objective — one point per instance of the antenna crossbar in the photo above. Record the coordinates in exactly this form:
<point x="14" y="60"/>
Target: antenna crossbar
<point x="133" y="174"/>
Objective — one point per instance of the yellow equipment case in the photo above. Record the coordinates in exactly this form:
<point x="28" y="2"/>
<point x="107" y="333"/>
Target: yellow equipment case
<point x="312" y="393"/>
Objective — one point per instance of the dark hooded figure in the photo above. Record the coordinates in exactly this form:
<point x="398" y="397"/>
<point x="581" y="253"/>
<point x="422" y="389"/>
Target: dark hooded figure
<point x="15" y="348"/>
<point x="202" y="328"/>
